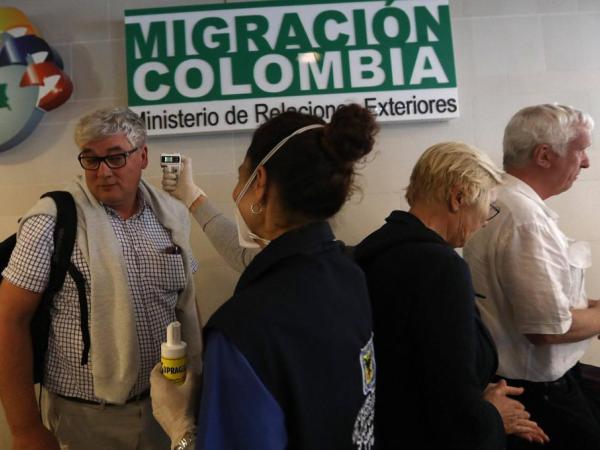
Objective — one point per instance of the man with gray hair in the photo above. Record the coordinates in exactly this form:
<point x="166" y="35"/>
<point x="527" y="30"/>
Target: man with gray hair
<point x="532" y="276"/>
<point x="132" y="248"/>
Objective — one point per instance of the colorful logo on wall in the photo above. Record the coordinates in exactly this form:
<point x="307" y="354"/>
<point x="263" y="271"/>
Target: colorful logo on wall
<point x="32" y="80"/>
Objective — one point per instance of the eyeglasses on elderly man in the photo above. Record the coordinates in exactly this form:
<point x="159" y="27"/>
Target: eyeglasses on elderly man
<point x="114" y="161"/>
<point x="493" y="212"/>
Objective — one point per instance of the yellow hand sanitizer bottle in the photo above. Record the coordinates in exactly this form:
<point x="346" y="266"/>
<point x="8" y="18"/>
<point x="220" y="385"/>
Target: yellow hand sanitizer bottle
<point x="172" y="354"/>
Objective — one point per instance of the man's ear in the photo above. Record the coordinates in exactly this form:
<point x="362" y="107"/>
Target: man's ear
<point x="455" y="199"/>
<point x="144" y="152"/>
<point x="542" y="155"/>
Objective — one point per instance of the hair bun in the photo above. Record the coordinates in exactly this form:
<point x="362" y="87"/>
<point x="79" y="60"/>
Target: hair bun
<point x="351" y="133"/>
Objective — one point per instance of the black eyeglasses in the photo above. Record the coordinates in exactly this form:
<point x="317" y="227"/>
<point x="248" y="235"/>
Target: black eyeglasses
<point x="493" y="212"/>
<point x="114" y="161"/>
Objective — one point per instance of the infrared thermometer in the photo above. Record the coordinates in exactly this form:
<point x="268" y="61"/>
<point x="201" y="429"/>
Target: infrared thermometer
<point x="170" y="162"/>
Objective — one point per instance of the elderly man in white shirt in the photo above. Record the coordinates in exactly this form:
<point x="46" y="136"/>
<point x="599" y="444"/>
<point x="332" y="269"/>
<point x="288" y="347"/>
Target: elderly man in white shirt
<point x="532" y="276"/>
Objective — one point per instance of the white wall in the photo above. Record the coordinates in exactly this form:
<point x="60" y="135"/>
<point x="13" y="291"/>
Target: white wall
<point x="509" y="54"/>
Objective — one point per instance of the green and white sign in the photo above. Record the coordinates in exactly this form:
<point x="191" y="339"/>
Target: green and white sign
<point x="221" y="67"/>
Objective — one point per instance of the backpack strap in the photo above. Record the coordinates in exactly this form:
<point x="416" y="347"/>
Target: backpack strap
<point x="65" y="233"/>
<point x="83" y="308"/>
<point x="64" y="238"/>
<point x="64" y="242"/>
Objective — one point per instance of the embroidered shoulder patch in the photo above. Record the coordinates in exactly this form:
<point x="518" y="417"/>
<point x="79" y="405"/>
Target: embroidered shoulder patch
<point x="363" y="436"/>
<point x="367" y="365"/>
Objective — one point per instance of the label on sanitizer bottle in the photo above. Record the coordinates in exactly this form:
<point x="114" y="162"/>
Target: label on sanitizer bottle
<point x="173" y="355"/>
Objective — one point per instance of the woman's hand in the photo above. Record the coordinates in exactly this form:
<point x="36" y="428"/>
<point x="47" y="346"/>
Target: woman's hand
<point x="514" y="416"/>
<point x="173" y="405"/>
<point x="182" y="186"/>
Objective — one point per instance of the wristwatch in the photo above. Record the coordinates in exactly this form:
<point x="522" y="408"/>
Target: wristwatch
<point x="186" y="442"/>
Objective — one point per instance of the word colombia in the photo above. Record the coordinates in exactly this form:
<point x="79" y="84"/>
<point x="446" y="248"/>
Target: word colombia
<point x="232" y="66"/>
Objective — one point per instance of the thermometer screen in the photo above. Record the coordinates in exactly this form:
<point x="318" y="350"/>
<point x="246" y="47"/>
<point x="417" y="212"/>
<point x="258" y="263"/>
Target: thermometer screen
<point x="169" y="159"/>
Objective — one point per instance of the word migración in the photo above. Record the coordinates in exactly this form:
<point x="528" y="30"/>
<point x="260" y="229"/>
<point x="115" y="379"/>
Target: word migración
<point x="194" y="55"/>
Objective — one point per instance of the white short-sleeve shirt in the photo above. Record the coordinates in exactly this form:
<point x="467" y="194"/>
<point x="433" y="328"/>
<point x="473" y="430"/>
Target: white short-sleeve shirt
<point x="532" y="276"/>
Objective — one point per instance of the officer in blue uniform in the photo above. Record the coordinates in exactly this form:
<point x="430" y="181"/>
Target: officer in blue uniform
<point x="289" y="361"/>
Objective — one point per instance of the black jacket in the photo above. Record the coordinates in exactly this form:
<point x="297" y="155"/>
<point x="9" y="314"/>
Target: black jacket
<point x="434" y="355"/>
<point x="300" y="315"/>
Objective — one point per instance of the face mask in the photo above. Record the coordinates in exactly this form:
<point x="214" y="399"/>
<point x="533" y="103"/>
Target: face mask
<point x="246" y="237"/>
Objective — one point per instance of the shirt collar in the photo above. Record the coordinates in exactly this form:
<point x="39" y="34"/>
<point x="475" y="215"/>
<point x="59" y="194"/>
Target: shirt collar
<point x="523" y="188"/>
<point x="141" y="205"/>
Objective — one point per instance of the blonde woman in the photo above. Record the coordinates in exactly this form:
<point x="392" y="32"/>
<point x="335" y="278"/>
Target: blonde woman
<point x="435" y="358"/>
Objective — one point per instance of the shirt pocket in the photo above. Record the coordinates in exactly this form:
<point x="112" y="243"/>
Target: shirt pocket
<point x="580" y="258"/>
<point x="167" y="273"/>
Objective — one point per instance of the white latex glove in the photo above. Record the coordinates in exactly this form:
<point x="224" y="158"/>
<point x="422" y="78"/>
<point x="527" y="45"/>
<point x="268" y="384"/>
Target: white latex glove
<point x="183" y="187"/>
<point x="173" y="405"/>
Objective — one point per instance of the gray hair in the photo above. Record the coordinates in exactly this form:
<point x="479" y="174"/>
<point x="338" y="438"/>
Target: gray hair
<point x="552" y="124"/>
<point x="449" y="164"/>
<point x="107" y="122"/>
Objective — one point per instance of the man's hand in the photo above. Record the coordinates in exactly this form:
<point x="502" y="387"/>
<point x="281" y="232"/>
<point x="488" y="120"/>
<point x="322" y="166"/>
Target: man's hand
<point x="173" y="405"/>
<point x="183" y="187"/>
<point x="36" y="438"/>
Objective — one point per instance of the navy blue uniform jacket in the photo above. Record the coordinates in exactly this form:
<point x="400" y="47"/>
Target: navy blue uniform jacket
<point x="289" y="361"/>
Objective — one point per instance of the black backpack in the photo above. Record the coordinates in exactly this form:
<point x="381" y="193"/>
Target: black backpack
<point x="64" y="241"/>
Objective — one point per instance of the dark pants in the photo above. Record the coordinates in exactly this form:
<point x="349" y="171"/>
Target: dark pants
<point x="566" y="412"/>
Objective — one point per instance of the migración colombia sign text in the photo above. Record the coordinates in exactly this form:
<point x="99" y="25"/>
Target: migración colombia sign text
<point x="232" y="66"/>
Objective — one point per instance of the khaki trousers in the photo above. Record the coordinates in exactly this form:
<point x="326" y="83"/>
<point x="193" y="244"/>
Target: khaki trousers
<point x="79" y="426"/>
